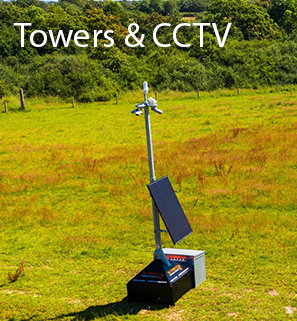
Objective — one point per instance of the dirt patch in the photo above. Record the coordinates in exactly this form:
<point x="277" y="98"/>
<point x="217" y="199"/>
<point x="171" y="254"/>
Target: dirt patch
<point x="7" y="291"/>
<point x="175" y="315"/>
<point x="232" y="314"/>
<point x="74" y="302"/>
<point x="290" y="310"/>
<point x="20" y="292"/>
<point x="273" y="293"/>
<point x="142" y="312"/>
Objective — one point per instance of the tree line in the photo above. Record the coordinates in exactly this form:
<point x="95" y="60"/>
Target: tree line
<point x="261" y="48"/>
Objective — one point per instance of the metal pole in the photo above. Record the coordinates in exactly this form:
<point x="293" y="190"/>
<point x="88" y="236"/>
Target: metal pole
<point x="152" y="174"/>
<point x="158" y="253"/>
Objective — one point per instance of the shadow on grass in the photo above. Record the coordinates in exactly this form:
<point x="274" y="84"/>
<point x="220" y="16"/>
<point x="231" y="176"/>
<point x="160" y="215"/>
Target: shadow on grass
<point x="20" y="110"/>
<point x="51" y="108"/>
<point x="15" y="110"/>
<point x="4" y="284"/>
<point x="119" y="308"/>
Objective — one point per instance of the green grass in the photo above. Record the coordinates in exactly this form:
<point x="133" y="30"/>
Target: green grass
<point x="75" y="209"/>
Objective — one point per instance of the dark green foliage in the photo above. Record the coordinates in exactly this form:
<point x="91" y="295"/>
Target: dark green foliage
<point x="66" y="76"/>
<point x="288" y="69"/>
<point x="3" y="89"/>
<point x="252" y="21"/>
<point x="257" y="51"/>
<point x="277" y="9"/>
<point x="194" y="5"/>
<point x="179" y="74"/>
<point x="288" y="20"/>
<point x="170" y="6"/>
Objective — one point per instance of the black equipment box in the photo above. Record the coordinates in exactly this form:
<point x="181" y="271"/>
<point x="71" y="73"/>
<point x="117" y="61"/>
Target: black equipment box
<point x="158" y="283"/>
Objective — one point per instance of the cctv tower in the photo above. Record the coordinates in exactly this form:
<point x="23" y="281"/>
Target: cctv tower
<point x="173" y="272"/>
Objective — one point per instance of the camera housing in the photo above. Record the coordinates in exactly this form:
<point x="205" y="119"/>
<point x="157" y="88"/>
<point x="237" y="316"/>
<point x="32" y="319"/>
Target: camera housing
<point x="141" y="105"/>
<point x="134" y="111"/>
<point x="152" y="102"/>
<point x="159" y="111"/>
<point x="138" y="112"/>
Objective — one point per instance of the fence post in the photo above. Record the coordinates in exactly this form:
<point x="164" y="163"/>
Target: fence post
<point x="73" y="102"/>
<point x="276" y="86"/>
<point x="198" y="93"/>
<point x="238" y="90"/>
<point x="5" y="106"/>
<point x="22" y="99"/>
<point x="156" y="95"/>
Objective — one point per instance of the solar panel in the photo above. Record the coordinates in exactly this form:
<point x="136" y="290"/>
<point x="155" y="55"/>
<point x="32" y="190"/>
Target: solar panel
<point x="170" y="209"/>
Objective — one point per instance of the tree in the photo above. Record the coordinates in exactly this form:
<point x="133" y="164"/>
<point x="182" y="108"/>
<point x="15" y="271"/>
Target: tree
<point x="289" y="18"/>
<point x="277" y="9"/>
<point x="253" y="21"/>
<point x="194" y="5"/>
<point x="157" y="6"/>
<point x="170" y="6"/>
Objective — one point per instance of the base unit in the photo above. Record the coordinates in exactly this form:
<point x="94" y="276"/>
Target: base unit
<point x="158" y="283"/>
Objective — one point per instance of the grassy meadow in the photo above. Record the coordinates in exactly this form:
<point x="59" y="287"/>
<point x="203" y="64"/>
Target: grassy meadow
<point x="75" y="209"/>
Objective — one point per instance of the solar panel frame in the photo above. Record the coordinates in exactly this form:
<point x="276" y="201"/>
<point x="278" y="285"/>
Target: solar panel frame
<point x="170" y="209"/>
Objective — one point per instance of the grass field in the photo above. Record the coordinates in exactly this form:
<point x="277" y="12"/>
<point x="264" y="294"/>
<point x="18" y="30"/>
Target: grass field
<point x="74" y="207"/>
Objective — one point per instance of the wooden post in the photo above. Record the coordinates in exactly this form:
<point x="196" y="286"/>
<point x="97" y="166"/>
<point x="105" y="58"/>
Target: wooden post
<point x="5" y="106"/>
<point x="238" y="92"/>
<point x="117" y="98"/>
<point x="198" y="93"/>
<point x="22" y="99"/>
<point x="156" y="95"/>
<point x="276" y="86"/>
<point x="73" y="102"/>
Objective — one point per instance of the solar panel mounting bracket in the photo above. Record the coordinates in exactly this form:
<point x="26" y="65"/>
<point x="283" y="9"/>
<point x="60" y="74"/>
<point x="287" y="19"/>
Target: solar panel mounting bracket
<point x="162" y="231"/>
<point x="160" y="255"/>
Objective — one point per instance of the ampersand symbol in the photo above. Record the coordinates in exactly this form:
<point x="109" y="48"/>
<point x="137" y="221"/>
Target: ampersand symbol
<point x="132" y="34"/>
